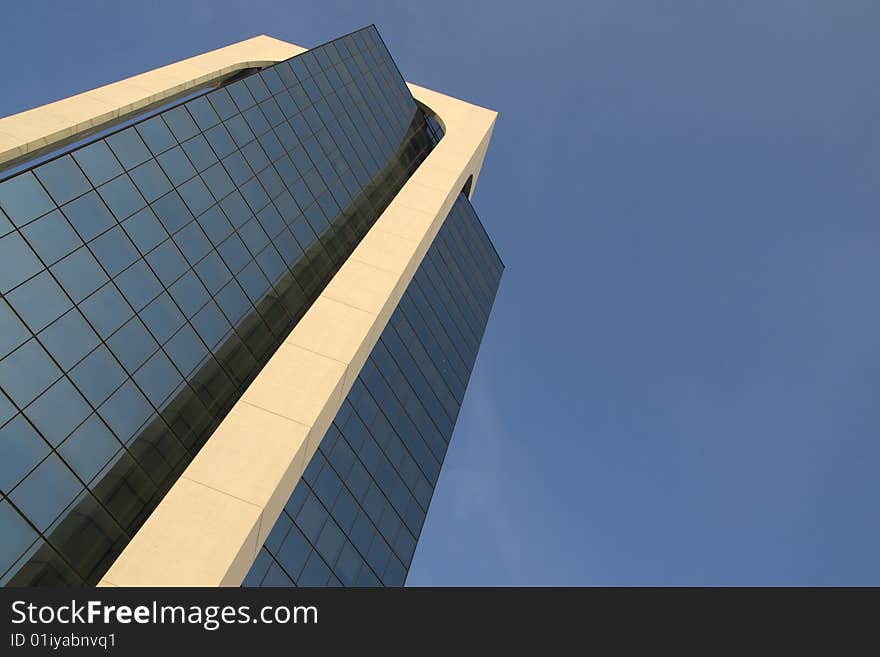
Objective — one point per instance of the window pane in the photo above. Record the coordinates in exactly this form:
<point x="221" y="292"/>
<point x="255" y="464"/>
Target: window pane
<point x="106" y="310"/>
<point x="51" y="236"/>
<point x="199" y="153"/>
<point x="203" y="113"/>
<point x="46" y="492"/>
<point x="192" y="242"/>
<point x="122" y="197"/>
<point x="132" y="344"/>
<point x="167" y="261"/>
<point x="222" y="103"/>
<point x="293" y="552"/>
<point x="220" y="140"/>
<point x="19" y="262"/>
<point x="151" y="180"/>
<point x="158" y="379"/>
<point x="215" y="224"/>
<point x="139" y="285"/>
<point x="98" y="375"/>
<point x="196" y="195"/>
<point x="240" y="95"/>
<point x="63" y="179"/>
<point x="180" y="122"/>
<point x="172" y="212"/>
<point x="235" y="209"/>
<point x="21" y="448"/>
<point x="114" y="250"/>
<point x="12" y="331"/>
<point x="17" y="535"/>
<point x="27" y="372"/>
<point x="189" y="294"/>
<point x="58" y="411"/>
<point x="315" y="572"/>
<point x="69" y="338"/>
<point x="129" y="148"/>
<point x="89" y="215"/>
<point x="162" y="317"/>
<point x="23" y="198"/>
<point x="186" y="349"/>
<point x="211" y="325"/>
<point x="98" y="162"/>
<point x="125" y="411"/>
<point x="89" y="448"/>
<point x="145" y="230"/>
<point x="156" y="134"/>
<point x="176" y="165"/>
<point x="80" y="274"/>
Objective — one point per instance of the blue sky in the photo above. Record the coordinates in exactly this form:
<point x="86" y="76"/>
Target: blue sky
<point x="679" y="382"/>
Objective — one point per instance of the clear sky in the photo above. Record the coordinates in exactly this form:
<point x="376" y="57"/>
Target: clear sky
<point x="679" y="383"/>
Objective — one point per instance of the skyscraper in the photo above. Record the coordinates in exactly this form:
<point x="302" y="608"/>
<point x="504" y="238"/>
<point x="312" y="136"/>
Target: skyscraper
<point x="242" y="296"/>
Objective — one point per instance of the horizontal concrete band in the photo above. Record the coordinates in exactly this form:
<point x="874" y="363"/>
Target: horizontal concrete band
<point x="208" y="528"/>
<point x="52" y="124"/>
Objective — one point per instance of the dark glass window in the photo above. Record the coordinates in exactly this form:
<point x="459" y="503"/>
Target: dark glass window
<point x="63" y="179"/>
<point x="98" y="375"/>
<point x="22" y="450"/>
<point x="138" y="285"/>
<point x="162" y="317"/>
<point x="181" y="123"/>
<point x="156" y="134"/>
<point x="114" y="250"/>
<point x="151" y="180"/>
<point x="106" y="310"/>
<point x="89" y="448"/>
<point x="145" y="230"/>
<point x="39" y="301"/>
<point x="158" y="378"/>
<point x="196" y="195"/>
<point x="58" y="411"/>
<point x="69" y="338"/>
<point x="24" y="199"/>
<point x="172" y="212"/>
<point x="199" y="153"/>
<point x="12" y="331"/>
<point x="167" y="261"/>
<point x="19" y="261"/>
<point x="176" y="165"/>
<point x="89" y="215"/>
<point x="129" y="148"/>
<point x="125" y="411"/>
<point x="121" y="197"/>
<point x="215" y="224"/>
<point x="80" y="274"/>
<point x="98" y="162"/>
<point x="189" y="294"/>
<point x="17" y="535"/>
<point x="220" y="140"/>
<point x="51" y="236"/>
<point x="46" y="492"/>
<point x="203" y="113"/>
<point x="132" y="344"/>
<point x="27" y="372"/>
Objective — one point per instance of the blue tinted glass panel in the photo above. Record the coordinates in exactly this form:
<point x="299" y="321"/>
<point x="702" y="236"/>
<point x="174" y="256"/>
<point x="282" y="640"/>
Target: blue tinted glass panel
<point x="24" y="199"/>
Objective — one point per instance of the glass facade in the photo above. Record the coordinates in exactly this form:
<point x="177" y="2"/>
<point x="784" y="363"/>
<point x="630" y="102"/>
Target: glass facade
<point x="355" y="516"/>
<point x="148" y="276"/>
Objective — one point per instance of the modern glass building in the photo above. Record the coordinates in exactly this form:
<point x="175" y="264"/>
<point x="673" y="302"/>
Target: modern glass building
<point x="242" y="296"/>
